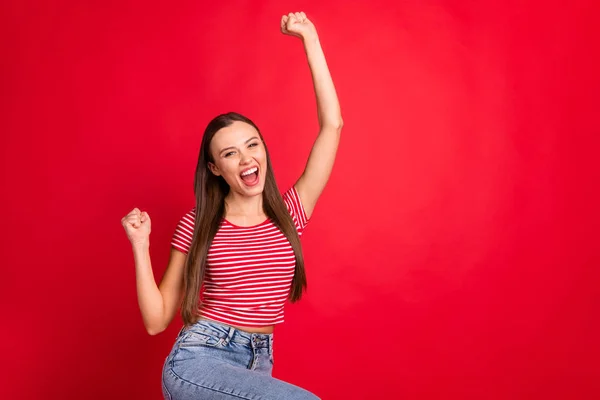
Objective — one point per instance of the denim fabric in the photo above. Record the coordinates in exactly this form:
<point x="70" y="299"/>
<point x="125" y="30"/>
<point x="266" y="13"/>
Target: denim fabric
<point x="210" y="360"/>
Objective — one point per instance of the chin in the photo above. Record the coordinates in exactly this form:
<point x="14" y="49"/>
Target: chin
<point x="253" y="193"/>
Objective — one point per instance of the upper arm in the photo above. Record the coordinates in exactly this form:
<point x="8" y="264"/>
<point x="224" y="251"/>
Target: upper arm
<point x="318" y="167"/>
<point x="171" y="285"/>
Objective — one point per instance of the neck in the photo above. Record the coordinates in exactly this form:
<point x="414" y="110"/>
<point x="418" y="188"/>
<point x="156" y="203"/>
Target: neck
<point x="235" y="204"/>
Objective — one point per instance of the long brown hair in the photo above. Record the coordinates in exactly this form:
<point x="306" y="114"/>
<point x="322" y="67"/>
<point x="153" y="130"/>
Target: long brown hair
<point x="210" y="191"/>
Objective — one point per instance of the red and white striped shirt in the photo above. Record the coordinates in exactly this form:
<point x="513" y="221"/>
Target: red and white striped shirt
<point x="249" y="269"/>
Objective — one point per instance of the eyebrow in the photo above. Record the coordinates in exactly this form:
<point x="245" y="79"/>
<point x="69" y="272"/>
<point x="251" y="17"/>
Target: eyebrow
<point x="233" y="147"/>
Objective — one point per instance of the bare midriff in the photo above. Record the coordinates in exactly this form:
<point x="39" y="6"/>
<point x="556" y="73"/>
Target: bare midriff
<point x="250" y="329"/>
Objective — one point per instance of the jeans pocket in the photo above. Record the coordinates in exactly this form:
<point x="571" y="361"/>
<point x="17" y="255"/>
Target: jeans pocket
<point x="205" y="339"/>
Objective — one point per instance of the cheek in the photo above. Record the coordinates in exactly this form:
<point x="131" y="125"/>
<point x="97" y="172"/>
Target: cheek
<point x="265" y="166"/>
<point x="227" y="171"/>
<point x="231" y="174"/>
<point x="263" y="159"/>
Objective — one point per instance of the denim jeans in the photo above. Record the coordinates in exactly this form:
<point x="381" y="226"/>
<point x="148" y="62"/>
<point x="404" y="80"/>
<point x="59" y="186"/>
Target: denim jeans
<point x="210" y="360"/>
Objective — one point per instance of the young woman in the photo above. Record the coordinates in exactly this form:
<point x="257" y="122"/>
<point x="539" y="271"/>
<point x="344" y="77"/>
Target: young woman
<point x="236" y="257"/>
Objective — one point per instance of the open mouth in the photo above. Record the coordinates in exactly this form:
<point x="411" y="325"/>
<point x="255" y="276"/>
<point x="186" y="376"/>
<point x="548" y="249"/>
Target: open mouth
<point x="250" y="176"/>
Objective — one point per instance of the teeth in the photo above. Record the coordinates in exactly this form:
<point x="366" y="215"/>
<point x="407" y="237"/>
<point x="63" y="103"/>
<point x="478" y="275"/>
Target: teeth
<point x="250" y="171"/>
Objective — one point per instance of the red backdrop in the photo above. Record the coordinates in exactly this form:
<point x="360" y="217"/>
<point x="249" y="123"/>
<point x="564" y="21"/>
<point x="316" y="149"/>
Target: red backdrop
<point x="453" y="255"/>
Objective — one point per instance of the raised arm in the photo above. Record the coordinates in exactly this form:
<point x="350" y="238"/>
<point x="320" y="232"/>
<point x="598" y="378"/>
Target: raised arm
<point x="158" y="304"/>
<point x="322" y="156"/>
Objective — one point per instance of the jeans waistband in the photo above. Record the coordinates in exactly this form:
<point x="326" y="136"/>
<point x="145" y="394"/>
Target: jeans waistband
<point x="230" y="334"/>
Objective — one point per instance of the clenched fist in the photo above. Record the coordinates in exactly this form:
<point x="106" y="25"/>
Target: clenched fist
<point x="296" y="24"/>
<point x="137" y="227"/>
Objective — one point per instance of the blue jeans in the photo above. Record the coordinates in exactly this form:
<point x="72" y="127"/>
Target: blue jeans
<point x="210" y="360"/>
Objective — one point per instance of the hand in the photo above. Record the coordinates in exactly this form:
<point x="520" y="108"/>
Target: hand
<point x="137" y="226"/>
<point x="296" y="24"/>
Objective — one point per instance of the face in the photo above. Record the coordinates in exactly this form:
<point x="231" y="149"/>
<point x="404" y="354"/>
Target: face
<point x="236" y="150"/>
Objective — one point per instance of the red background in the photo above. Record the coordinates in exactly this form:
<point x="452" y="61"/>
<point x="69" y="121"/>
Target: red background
<point x="453" y="255"/>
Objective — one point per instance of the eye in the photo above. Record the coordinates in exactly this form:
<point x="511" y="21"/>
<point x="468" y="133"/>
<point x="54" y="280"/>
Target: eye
<point x="227" y="155"/>
<point x="253" y="144"/>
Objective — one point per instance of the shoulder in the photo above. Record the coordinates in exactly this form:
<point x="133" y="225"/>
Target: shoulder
<point x="184" y="231"/>
<point x="291" y="197"/>
<point x="295" y="207"/>
<point x="188" y="219"/>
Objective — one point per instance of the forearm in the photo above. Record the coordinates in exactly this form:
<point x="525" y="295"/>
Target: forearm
<point x="328" y="106"/>
<point x="150" y="299"/>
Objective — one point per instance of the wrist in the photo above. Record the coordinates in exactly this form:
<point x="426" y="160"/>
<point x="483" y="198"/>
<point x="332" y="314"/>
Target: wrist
<point x="141" y="246"/>
<point x="310" y="39"/>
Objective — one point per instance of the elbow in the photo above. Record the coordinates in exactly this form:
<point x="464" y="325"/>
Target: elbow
<point x="335" y="124"/>
<point x="154" y="330"/>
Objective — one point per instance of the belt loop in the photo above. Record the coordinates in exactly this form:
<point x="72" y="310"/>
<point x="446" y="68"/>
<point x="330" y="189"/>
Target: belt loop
<point x="230" y="334"/>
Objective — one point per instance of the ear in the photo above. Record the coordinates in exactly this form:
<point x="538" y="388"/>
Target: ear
<point x="214" y="169"/>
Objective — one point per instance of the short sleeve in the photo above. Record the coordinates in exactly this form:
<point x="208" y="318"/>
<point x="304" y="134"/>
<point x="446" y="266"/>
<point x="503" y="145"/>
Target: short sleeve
<point x="296" y="209"/>
<point x="184" y="232"/>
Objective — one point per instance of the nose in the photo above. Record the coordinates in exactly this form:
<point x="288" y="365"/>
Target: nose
<point x="245" y="159"/>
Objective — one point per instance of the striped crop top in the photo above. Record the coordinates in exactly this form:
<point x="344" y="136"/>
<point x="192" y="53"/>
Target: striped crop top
<point x="249" y="269"/>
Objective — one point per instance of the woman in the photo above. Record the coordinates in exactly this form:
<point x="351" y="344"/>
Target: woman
<point x="236" y="257"/>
